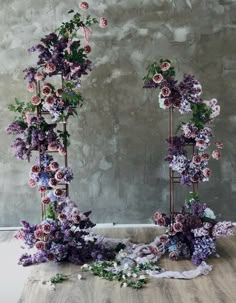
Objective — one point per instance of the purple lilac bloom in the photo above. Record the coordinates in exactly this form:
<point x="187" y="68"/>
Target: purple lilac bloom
<point x="203" y="248"/>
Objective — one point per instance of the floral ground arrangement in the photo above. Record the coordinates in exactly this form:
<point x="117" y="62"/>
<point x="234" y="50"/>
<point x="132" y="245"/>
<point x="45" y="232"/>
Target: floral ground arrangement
<point x="65" y="232"/>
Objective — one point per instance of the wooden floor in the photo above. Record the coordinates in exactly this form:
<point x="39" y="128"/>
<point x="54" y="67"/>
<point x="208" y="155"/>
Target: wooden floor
<point x="24" y="285"/>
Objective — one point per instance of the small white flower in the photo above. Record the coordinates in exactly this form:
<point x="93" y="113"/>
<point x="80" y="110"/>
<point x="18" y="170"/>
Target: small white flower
<point x="134" y="275"/>
<point x="115" y="265"/>
<point x="85" y="266"/>
<point x="142" y="277"/>
<point x="124" y="277"/>
<point x="124" y="285"/>
<point x="161" y="102"/>
<point x="79" y="277"/>
<point x="129" y="274"/>
<point x="88" y="238"/>
<point x="126" y="266"/>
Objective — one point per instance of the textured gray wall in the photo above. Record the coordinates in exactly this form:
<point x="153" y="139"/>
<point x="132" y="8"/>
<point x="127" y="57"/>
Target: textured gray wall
<point x="118" y="139"/>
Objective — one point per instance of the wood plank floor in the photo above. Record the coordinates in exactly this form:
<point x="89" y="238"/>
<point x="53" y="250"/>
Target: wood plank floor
<point x="26" y="283"/>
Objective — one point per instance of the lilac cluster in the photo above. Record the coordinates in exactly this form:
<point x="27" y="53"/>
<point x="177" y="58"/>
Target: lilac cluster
<point x="192" y="235"/>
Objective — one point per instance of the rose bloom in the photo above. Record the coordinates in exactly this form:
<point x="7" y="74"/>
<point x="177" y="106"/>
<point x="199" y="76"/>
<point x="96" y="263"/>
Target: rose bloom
<point x="178" y="227"/>
<point x="87" y="49"/>
<point x="76" y="219"/>
<point x="49" y="100"/>
<point x="216" y="154"/>
<point x="103" y="22"/>
<point x="46" y="90"/>
<point x="59" y="175"/>
<point x="45" y="200"/>
<point x="205" y="157"/>
<point x="179" y="218"/>
<point x="207" y="225"/>
<point x="52" y="182"/>
<point x="157" y="215"/>
<point x="84" y="6"/>
<point x="50" y="256"/>
<point x="219" y="144"/>
<point x="52" y="146"/>
<point x="165" y="66"/>
<point x="42" y="189"/>
<point x="35" y="100"/>
<point x="50" y="67"/>
<point x="40" y="245"/>
<point x="197" y="159"/>
<point x="157" y="78"/>
<point x="171" y="231"/>
<point x="59" y="92"/>
<point x="31" y="87"/>
<point x="38" y="233"/>
<point x="32" y="183"/>
<point x="161" y="221"/>
<point x="35" y="169"/>
<point x="165" y="91"/>
<point x="62" y="151"/>
<point x="153" y="250"/>
<point x="167" y="103"/>
<point x="62" y="217"/>
<point x="200" y="143"/>
<point x="58" y="192"/>
<point x="206" y="172"/>
<point x="39" y="76"/>
<point x="163" y="238"/>
<point x="46" y="228"/>
<point x="173" y="255"/>
<point x="54" y="166"/>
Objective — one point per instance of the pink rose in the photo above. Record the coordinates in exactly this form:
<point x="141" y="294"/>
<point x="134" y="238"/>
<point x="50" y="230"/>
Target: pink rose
<point x="32" y="183"/>
<point x="54" y="166"/>
<point x="35" y="100"/>
<point x="205" y="157"/>
<point x="167" y="103"/>
<point x="50" y="257"/>
<point x="165" y="66"/>
<point x="39" y="76"/>
<point x="178" y="227"/>
<point x="157" y="78"/>
<point x="197" y="159"/>
<point x="31" y="87"/>
<point x="171" y="231"/>
<point x="35" y="169"/>
<point x="62" y="217"/>
<point x="206" y="172"/>
<point x="50" y="68"/>
<point x="163" y="238"/>
<point x="207" y="225"/>
<point x="179" y="218"/>
<point x="103" y="22"/>
<point x="76" y="219"/>
<point x="87" y="49"/>
<point x="52" y="146"/>
<point x="42" y="189"/>
<point x="62" y="151"/>
<point x="58" y="192"/>
<point x="200" y="143"/>
<point x="157" y="215"/>
<point x="165" y="91"/>
<point x="219" y="144"/>
<point x="52" y="182"/>
<point x="38" y="233"/>
<point x="40" y="245"/>
<point x="46" y="228"/>
<point x="46" y="90"/>
<point x="59" y="175"/>
<point x="173" y="255"/>
<point x="216" y="154"/>
<point x="161" y="221"/>
<point x="45" y="200"/>
<point x="84" y="6"/>
<point x="59" y="92"/>
<point x="49" y="100"/>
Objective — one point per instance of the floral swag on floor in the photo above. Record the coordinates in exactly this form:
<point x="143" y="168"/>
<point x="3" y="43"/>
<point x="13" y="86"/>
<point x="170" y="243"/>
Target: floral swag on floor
<point x="65" y="232"/>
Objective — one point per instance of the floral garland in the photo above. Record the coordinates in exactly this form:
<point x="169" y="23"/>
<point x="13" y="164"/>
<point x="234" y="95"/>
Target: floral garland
<point x="64" y="233"/>
<point x="190" y="234"/>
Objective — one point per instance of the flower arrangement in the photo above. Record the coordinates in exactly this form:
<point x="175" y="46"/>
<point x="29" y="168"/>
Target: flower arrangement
<point x="191" y="233"/>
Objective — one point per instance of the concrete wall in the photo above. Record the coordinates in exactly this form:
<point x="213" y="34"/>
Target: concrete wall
<point x="118" y="139"/>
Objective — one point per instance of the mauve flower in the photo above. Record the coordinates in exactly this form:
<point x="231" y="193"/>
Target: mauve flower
<point x="178" y="227"/>
<point x="42" y="189"/>
<point x="165" y="91"/>
<point x="59" y="175"/>
<point x="62" y="217"/>
<point x="52" y="146"/>
<point x="200" y="143"/>
<point x="157" y="78"/>
<point x="59" y="92"/>
<point x="197" y="159"/>
<point x="83" y="5"/>
<point x="161" y="221"/>
<point x="45" y="200"/>
<point x="38" y="76"/>
<point x="40" y="245"/>
<point x="35" y="169"/>
<point x="171" y="230"/>
<point x="46" y="228"/>
<point x="216" y="154"/>
<point x="205" y="157"/>
<point x="173" y="255"/>
<point x="32" y="183"/>
<point x="219" y="144"/>
<point x="38" y="233"/>
<point x="50" y="257"/>
<point x="58" y="192"/>
<point x="163" y="238"/>
<point x="52" y="182"/>
<point x="207" y="225"/>
<point x="103" y="22"/>
<point x="76" y="219"/>
<point x="35" y="100"/>
<point x="87" y="49"/>
<point x="179" y="218"/>
<point x="167" y="103"/>
<point x="50" y="67"/>
<point x="62" y="151"/>
<point x="49" y="100"/>
<point x="157" y="215"/>
<point x="31" y="87"/>
<point x="54" y="166"/>
<point x="206" y="172"/>
<point x="46" y="90"/>
<point x="165" y="66"/>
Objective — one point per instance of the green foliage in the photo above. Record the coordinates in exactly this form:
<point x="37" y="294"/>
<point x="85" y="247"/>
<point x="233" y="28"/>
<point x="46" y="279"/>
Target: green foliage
<point x="58" y="278"/>
<point x="155" y="68"/>
<point x="50" y="214"/>
<point x="192" y="196"/>
<point x="64" y="135"/>
<point x="21" y="108"/>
